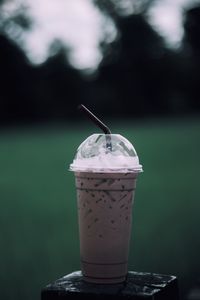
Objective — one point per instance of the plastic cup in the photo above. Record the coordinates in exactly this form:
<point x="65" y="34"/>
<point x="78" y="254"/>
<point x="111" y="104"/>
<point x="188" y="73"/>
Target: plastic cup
<point x="105" y="184"/>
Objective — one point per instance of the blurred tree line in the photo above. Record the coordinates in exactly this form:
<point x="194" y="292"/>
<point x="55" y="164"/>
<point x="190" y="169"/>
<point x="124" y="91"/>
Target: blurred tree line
<point x="138" y="76"/>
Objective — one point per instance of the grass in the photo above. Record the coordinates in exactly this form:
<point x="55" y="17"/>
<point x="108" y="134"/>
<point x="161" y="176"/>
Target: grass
<point x="38" y="217"/>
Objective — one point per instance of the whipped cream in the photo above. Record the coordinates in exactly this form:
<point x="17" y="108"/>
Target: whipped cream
<point x="107" y="163"/>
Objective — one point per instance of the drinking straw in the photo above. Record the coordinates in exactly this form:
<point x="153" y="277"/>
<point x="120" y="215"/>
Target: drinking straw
<point x="99" y="124"/>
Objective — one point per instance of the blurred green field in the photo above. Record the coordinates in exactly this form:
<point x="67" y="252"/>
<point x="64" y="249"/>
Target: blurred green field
<point x="38" y="217"/>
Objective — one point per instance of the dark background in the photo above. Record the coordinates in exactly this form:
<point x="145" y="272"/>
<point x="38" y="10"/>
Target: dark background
<point x="139" y="76"/>
<point x="144" y="90"/>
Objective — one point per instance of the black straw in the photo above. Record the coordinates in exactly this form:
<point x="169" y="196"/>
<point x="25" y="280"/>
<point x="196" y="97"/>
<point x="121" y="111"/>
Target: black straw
<point x="96" y="120"/>
<point x="99" y="124"/>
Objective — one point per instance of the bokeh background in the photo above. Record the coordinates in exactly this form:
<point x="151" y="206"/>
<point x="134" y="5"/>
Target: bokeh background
<point x="136" y="64"/>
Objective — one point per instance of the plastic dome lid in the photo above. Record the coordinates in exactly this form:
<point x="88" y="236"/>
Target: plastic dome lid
<point x="106" y="153"/>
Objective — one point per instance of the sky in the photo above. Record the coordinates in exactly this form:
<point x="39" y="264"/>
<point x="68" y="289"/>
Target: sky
<point x="77" y="24"/>
<point x="166" y="16"/>
<point x="80" y="26"/>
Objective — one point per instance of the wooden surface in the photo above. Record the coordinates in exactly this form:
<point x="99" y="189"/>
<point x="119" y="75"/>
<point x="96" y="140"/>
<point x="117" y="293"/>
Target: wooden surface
<point x="137" y="286"/>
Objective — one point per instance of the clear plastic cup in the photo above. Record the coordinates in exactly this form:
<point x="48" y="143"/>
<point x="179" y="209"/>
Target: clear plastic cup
<point x="106" y="169"/>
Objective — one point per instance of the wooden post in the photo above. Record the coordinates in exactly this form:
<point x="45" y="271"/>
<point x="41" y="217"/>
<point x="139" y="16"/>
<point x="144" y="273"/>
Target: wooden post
<point x="137" y="286"/>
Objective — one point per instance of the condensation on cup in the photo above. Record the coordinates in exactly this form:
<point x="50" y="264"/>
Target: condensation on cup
<point x="106" y="169"/>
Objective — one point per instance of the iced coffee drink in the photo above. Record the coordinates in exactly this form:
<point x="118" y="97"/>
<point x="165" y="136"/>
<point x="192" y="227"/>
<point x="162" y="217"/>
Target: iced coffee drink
<point x="105" y="183"/>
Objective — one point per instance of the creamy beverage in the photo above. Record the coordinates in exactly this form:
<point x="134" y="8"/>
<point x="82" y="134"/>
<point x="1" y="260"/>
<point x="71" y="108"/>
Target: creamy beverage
<point x="105" y="183"/>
